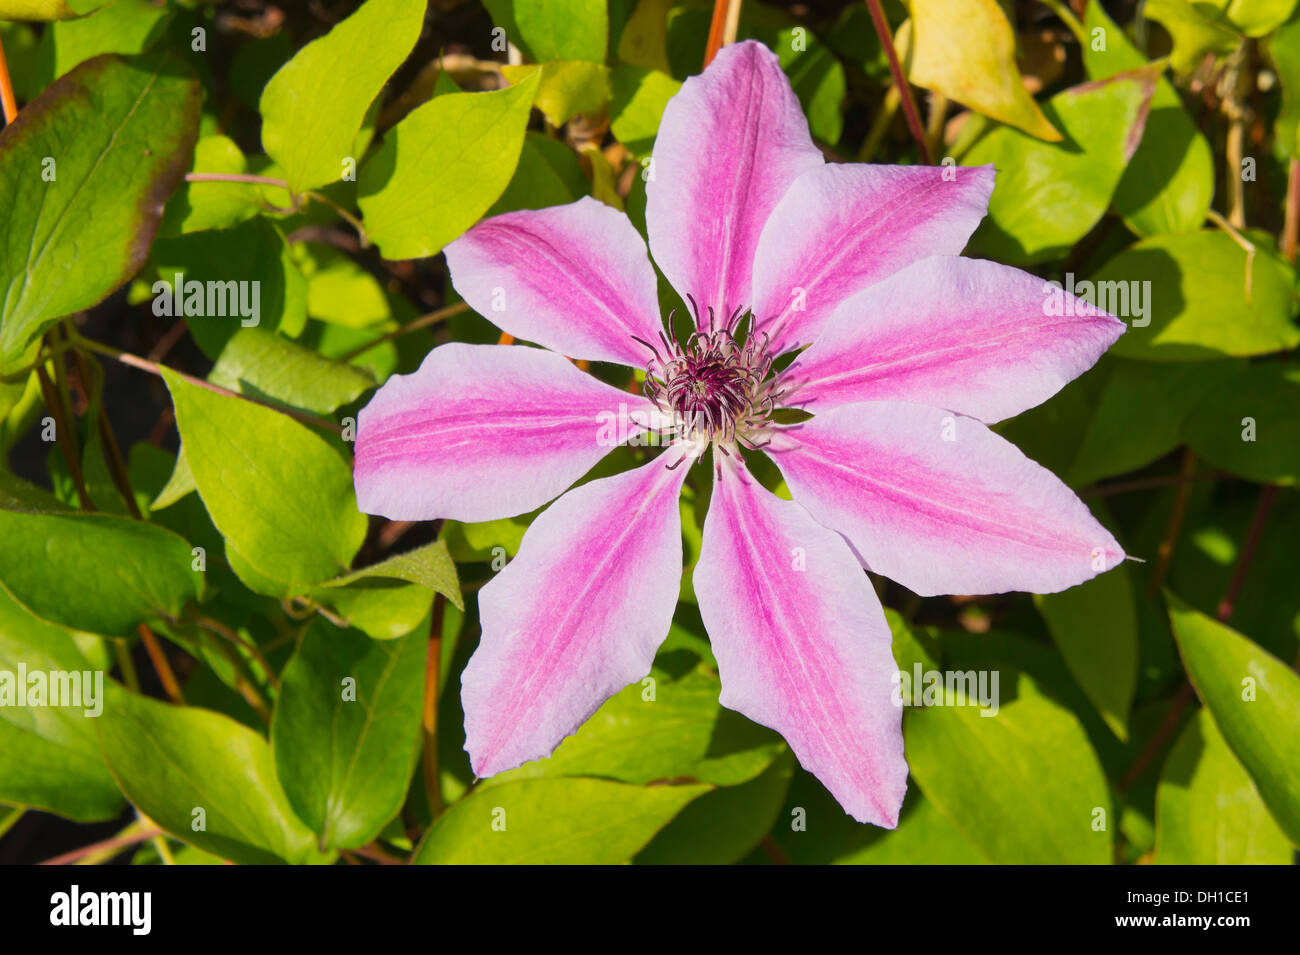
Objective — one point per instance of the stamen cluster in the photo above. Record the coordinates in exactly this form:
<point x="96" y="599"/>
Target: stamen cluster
<point x="715" y="385"/>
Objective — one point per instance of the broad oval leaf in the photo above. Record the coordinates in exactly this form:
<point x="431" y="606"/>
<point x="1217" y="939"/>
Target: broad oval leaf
<point x="1048" y="195"/>
<point x="966" y="50"/>
<point x="442" y="167"/>
<point x="1168" y="184"/>
<point x="1095" y="627"/>
<point x="312" y="108"/>
<point x="88" y="165"/>
<point x="562" y="821"/>
<point x="1207" y="809"/>
<point x="95" y="572"/>
<point x="279" y="494"/>
<point x="182" y="765"/>
<point x="1024" y="785"/>
<point x="345" y="730"/>
<point x="49" y="755"/>
<point x="1249" y="423"/>
<point x="1255" y="701"/>
<point x="1194" y="286"/>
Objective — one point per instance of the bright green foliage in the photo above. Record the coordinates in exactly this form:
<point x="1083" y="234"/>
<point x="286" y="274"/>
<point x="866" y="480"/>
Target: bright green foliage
<point x="223" y="234"/>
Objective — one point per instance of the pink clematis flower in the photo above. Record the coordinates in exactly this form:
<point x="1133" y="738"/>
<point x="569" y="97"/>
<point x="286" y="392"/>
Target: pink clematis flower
<point x="911" y="351"/>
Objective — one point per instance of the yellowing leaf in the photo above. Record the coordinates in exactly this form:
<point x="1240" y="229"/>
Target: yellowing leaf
<point x="966" y="50"/>
<point x="566" y="88"/>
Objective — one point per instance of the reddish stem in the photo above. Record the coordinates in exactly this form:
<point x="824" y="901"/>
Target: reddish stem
<point x="904" y="91"/>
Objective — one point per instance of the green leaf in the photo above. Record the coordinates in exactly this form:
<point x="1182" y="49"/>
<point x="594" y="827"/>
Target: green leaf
<point x="127" y="27"/>
<point x="279" y="494"/>
<point x="1095" y="627"/>
<point x="1049" y="195"/>
<point x="682" y="732"/>
<point x="639" y="98"/>
<point x="312" y="108"/>
<point x="1197" y="302"/>
<point x="721" y="826"/>
<point x="429" y="566"/>
<point x="345" y="730"/>
<point x="1196" y="28"/>
<point x="966" y="50"/>
<point x="1284" y="49"/>
<point x="95" y="572"/>
<point x="644" y="40"/>
<point x="924" y="837"/>
<point x="119" y="135"/>
<point x="1168" y="185"/>
<point x="46" y="9"/>
<point x="1023" y="785"/>
<point x="1257" y="17"/>
<point x="178" y="485"/>
<point x="1248" y="423"/>
<point x="1255" y="701"/>
<point x="267" y="366"/>
<point x="565" y="88"/>
<point x="549" y="30"/>
<point x="393" y="597"/>
<point x="553" y="822"/>
<point x="1164" y="395"/>
<point x="817" y="79"/>
<point x="197" y="206"/>
<point x="270" y="289"/>
<point x="1207" y="809"/>
<point x="172" y="762"/>
<point x="49" y="755"/>
<point x="341" y="292"/>
<point x="549" y="174"/>
<point x="442" y="167"/>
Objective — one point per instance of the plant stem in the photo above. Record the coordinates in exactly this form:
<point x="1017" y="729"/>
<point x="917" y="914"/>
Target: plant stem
<point x="1242" y="241"/>
<point x="348" y="217"/>
<point x="424" y="321"/>
<point x="65" y="433"/>
<point x="153" y="368"/>
<point x="905" y="92"/>
<point x="1165" y="553"/>
<point x="221" y="630"/>
<point x="130" y="836"/>
<point x="7" y="100"/>
<point x="159" y="660"/>
<point x="1224" y="611"/>
<point x="1291" y="225"/>
<point x="1066" y="16"/>
<point x="236" y="177"/>
<point x="432" y="784"/>
<point x="1145" y="484"/>
<point x="716" y="26"/>
<point x="122" y="651"/>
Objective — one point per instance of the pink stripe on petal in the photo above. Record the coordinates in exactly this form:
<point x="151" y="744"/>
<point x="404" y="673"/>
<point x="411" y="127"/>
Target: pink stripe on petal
<point x="575" y="617"/>
<point x="844" y="227"/>
<point x="801" y="643"/>
<point x="939" y="503"/>
<point x="975" y="337"/>
<point x="575" y="278"/>
<point x="481" y="432"/>
<point x="730" y="143"/>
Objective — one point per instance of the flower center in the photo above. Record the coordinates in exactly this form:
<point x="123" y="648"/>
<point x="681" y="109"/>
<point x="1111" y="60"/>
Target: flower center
<point x="715" y="385"/>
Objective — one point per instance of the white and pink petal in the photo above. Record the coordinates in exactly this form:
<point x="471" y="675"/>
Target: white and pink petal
<point x="971" y="336"/>
<point x="575" y="278"/>
<point x="802" y="643"/>
<point x="939" y="503"/>
<point x="840" y="228"/>
<point x="576" y="616"/>
<point x="482" y="432"/>
<point x="730" y="143"/>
